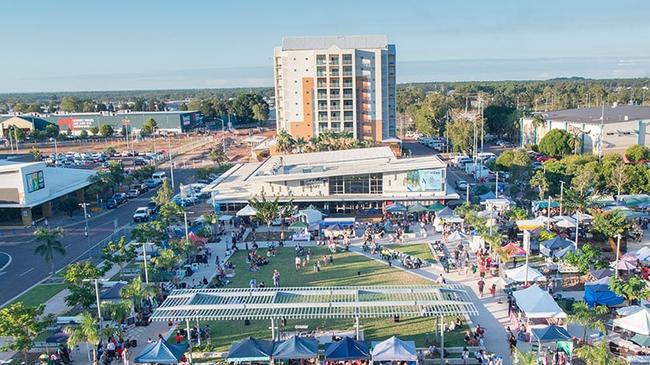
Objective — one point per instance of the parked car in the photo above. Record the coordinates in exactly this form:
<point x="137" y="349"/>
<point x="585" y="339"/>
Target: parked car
<point x="141" y="214"/>
<point x="151" y="184"/>
<point x="133" y="193"/>
<point x="139" y="162"/>
<point x="111" y="204"/>
<point x="119" y="198"/>
<point x="461" y="184"/>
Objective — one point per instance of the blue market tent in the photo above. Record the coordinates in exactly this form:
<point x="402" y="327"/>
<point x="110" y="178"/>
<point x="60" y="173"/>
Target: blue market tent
<point x="600" y="294"/>
<point x="161" y="352"/>
<point x="551" y="333"/>
<point x="347" y="349"/>
<point x="488" y="195"/>
<point x="554" y="244"/>
<point x="542" y="204"/>
<point x="113" y="293"/>
<point x="250" y="349"/>
<point x="296" y="348"/>
<point x="397" y="207"/>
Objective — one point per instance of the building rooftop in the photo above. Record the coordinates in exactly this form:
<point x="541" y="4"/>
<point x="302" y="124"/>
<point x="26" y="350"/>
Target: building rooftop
<point x="343" y="42"/>
<point x="613" y="114"/>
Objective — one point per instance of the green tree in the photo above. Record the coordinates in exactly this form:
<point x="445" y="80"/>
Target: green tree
<point x="149" y="126"/>
<point x="431" y="114"/>
<point x="409" y="97"/>
<point x="83" y="134"/>
<point x="36" y="154"/>
<point x="618" y="179"/>
<point x="118" y="311"/>
<point x="119" y="253"/>
<point x="638" y="178"/>
<point x="153" y="231"/>
<point x="633" y="289"/>
<point x="267" y="210"/>
<point x="586" y="258"/>
<point x="217" y="156"/>
<point x="105" y="130"/>
<point x="598" y="354"/>
<point x="70" y="104"/>
<point x="170" y="212"/>
<point x="137" y="291"/>
<point x="500" y="119"/>
<point x="78" y="277"/>
<point x="164" y="194"/>
<point x="556" y="143"/>
<point x="49" y="244"/>
<point x="610" y="225"/>
<point x="517" y="214"/>
<point x="539" y="182"/>
<point x="22" y="324"/>
<point x="461" y="135"/>
<point x="284" y="142"/>
<point x="524" y="358"/>
<point x="637" y="153"/>
<point x="166" y="260"/>
<point x="94" y="130"/>
<point x="35" y="108"/>
<point x="86" y="332"/>
<point x="261" y="111"/>
<point x="17" y="134"/>
<point x="588" y="318"/>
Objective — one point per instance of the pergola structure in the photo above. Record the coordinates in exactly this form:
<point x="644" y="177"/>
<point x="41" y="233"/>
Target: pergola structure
<point x="315" y="302"/>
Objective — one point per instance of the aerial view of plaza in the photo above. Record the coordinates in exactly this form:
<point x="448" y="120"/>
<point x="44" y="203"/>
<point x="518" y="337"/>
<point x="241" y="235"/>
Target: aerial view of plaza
<point x="341" y="183"/>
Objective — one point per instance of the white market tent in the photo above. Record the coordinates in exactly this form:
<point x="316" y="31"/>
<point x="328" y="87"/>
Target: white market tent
<point x="456" y="236"/>
<point x="518" y="274"/>
<point x="630" y="309"/>
<point x="643" y="253"/>
<point x="582" y="217"/>
<point x="394" y="349"/>
<point x="536" y="302"/>
<point x="637" y="322"/>
<point x="564" y="221"/>
<point x="623" y="265"/>
<point x="247" y="211"/>
<point x="310" y="215"/>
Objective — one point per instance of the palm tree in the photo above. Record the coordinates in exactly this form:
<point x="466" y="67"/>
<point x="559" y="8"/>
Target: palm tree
<point x="267" y="210"/>
<point x="598" y="354"/>
<point x="284" y="141"/>
<point x="136" y="291"/>
<point x="217" y="156"/>
<point x="588" y="318"/>
<point x="540" y="182"/>
<point x="49" y="244"/>
<point x="524" y="358"/>
<point x="118" y="312"/>
<point x="300" y="144"/>
<point x="87" y="331"/>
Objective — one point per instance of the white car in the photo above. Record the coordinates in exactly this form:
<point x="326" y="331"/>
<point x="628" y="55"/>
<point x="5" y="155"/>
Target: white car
<point x="141" y="215"/>
<point x="461" y="184"/>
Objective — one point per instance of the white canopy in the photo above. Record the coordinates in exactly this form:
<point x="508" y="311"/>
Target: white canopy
<point x="456" y="236"/>
<point x="637" y="322"/>
<point x="564" y="221"/>
<point x="225" y="218"/>
<point x="311" y="215"/>
<point x="247" y="211"/>
<point x="643" y="253"/>
<point x="622" y="265"/>
<point x="518" y="274"/>
<point x="630" y="309"/>
<point x="582" y="217"/>
<point x="394" y="349"/>
<point x="536" y="302"/>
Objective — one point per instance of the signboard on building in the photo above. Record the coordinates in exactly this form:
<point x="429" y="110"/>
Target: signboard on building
<point x="425" y="180"/>
<point x="75" y="123"/>
<point x="35" y="181"/>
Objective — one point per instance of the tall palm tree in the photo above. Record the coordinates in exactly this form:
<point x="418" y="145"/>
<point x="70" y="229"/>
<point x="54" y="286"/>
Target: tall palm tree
<point x="588" y="318"/>
<point x="300" y="144"/>
<point x="598" y="354"/>
<point x="87" y="332"/>
<point x="525" y="358"/>
<point x="49" y="244"/>
<point x="284" y="141"/>
<point x="119" y="311"/>
<point x="267" y="210"/>
<point x="136" y="291"/>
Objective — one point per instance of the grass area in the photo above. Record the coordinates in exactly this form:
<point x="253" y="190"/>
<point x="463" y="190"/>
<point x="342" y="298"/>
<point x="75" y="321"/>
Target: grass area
<point x="420" y="250"/>
<point x="348" y="269"/>
<point x="40" y="294"/>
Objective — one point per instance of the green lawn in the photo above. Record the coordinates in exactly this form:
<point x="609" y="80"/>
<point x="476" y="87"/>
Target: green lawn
<point x="40" y="294"/>
<point x="347" y="269"/>
<point x="420" y="250"/>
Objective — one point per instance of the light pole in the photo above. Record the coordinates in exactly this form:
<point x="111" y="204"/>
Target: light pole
<point x="84" y="205"/>
<point x="223" y="133"/>
<point x="144" y="259"/>
<point x="99" y="309"/>
<point x="618" y="250"/>
<point x="548" y="210"/>
<point x="561" y="195"/>
<point x="496" y="185"/>
<point x="187" y="234"/>
<point x="171" y="162"/>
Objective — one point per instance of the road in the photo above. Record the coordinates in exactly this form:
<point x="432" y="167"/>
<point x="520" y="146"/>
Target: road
<point x="27" y="269"/>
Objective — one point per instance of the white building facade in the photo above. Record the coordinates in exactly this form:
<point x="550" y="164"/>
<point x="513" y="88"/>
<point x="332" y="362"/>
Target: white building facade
<point x="336" y="83"/>
<point x="336" y="182"/>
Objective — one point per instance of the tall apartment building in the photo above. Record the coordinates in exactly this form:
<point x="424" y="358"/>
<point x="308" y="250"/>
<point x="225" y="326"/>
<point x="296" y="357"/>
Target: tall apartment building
<point x="342" y="83"/>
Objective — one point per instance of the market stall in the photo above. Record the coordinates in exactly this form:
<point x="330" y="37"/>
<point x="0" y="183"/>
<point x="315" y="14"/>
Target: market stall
<point x="550" y="247"/>
<point x="250" y="350"/>
<point x="347" y="349"/>
<point x="537" y="307"/>
<point x="600" y="294"/>
<point x="394" y="350"/>
<point x="296" y="348"/>
<point x="161" y="352"/>
<point x="524" y="273"/>
<point x="637" y="322"/>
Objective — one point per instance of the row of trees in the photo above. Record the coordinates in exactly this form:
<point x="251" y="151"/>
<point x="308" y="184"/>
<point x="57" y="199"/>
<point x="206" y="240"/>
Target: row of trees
<point x="327" y="140"/>
<point x="246" y="107"/>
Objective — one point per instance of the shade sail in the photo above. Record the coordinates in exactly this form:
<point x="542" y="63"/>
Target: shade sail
<point x="518" y="274"/>
<point x="529" y="224"/>
<point x="536" y="302"/>
<point x="600" y="294"/>
<point x="396" y="208"/>
<point x="296" y="348"/>
<point x="250" y="349"/>
<point x="161" y="352"/>
<point x="551" y="333"/>
<point x="417" y="208"/>
<point x="514" y="250"/>
<point x="347" y="349"/>
<point x="601" y="273"/>
<point x="638" y="322"/>
<point x="554" y="244"/>
<point x="456" y="236"/>
<point x="394" y="349"/>
<point x="582" y="217"/>
<point x="247" y="211"/>
<point x="436" y="207"/>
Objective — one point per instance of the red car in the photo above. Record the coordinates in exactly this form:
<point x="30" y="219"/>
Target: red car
<point x="542" y="158"/>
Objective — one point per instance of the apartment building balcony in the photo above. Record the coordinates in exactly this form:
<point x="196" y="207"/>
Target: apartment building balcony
<point x="321" y="73"/>
<point x="348" y="107"/>
<point x="322" y="107"/>
<point x="322" y="96"/>
<point x="348" y="119"/>
<point x="335" y="83"/>
<point x="347" y="73"/>
<point x="347" y="61"/>
<point x="334" y="73"/>
<point x="347" y="95"/>
<point x="347" y="84"/>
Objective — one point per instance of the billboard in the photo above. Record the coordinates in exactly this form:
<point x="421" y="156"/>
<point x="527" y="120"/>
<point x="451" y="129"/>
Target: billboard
<point x="35" y="181"/>
<point x="425" y="180"/>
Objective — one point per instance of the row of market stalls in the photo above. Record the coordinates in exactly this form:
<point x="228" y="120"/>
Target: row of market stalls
<point x="303" y="348"/>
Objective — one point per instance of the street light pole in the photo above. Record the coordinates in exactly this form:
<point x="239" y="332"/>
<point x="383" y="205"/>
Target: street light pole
<point x="171" y="163"/>
<point x="84" y="205"/>
<point x="144" y="256"/>
<point x="223" y="133"/>
<point x="99" y="309"/>
<point x="496" y="186"/>
<point x="548" y="210"/>
<point x="561" y="195"/>
<point x="618" y="250"/>
<point x="187" y="235"/>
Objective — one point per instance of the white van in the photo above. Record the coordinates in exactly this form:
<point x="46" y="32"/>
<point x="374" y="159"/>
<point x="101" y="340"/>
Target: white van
<point x="159" y="176"/>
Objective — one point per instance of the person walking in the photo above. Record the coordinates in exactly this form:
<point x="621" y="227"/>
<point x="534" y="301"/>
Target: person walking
<point x="481" y="286"/>
<point x="276" y="278"/>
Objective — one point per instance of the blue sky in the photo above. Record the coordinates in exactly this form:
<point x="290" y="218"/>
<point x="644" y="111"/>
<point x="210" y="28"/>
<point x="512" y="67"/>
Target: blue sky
<point x="99" y="45"/>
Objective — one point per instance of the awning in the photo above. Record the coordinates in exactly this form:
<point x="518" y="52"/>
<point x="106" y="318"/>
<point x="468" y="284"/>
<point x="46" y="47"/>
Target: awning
<point x="250" y="349"/>
<point x="536" y="302"/>
<point x="622" y="265"/>
<point x="551" y="333"/>
<point x="347" y="349"/>
<point x="225" y="218"/>
<point x="396" y="208"/>
<point x="416" y="208"/>
<point x="394" y="349"/>
<point x="456" y="236"/>
<point x="641" y="340"/>
<point x="296" y="348"/>
<point x="529" y="224"/>
<point x="554" y="244"/>
<point x="161" y="352"/>
<point x="514" y="250"/>
<point x="436" y="207"/>
<point x="518" y="274"/>
<point x="247" y="211"/>
<point x="600" y="294"/>
<point x="601" y="273"/>
<point x="298" y="225"/>
<point x="643" y="253"/>
<point x="630" y="309"/>
<point x="638" y="322"/>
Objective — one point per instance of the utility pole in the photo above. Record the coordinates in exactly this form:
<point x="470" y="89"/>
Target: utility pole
<point x="561" y="195"/>
<point x="171" y="163"/>
<point x="618" y="250"/>
<point x="223" y="133"/>
<point x="84" y="205"/>
<point x="600" y="135"/>
<point x="496" y="186"/>
<point x="548" y="210"/>
<point x="144" y="256"/>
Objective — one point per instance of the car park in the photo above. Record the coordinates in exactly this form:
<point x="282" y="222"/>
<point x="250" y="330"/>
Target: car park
<point x="141" y="214"/>
<point x="140" y="162"/>
<point x="151" y="184"/>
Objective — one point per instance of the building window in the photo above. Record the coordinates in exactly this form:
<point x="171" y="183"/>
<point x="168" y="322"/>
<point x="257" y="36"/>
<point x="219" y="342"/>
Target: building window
<point x="356" y="184"/>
